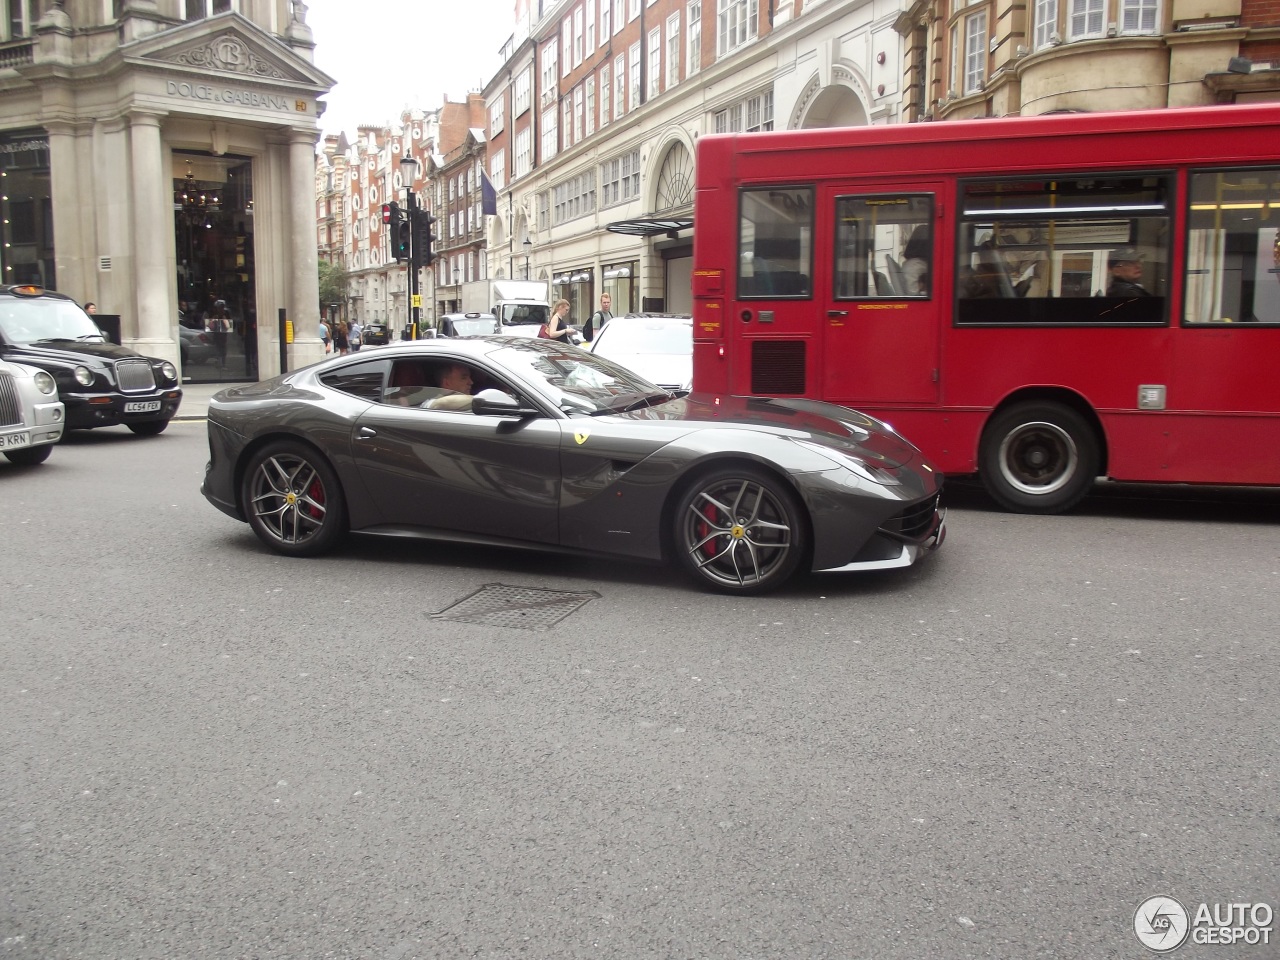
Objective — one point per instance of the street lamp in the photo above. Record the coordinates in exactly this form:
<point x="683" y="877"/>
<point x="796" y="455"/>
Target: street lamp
<point x="457" y="292"/>
<point x="528" y="245"/>
<point x="408" y="171"/>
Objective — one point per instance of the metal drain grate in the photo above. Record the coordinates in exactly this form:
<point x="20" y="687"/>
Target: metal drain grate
<point x="524" y="608"/>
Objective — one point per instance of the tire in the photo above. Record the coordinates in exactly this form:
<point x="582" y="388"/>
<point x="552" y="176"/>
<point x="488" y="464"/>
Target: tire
<point x="30" y="456"/>
<point x="150" y="428"/>
<point x="1039" y="458"/>
<point x="293" y="500"/>
<point x="739" y="530"/>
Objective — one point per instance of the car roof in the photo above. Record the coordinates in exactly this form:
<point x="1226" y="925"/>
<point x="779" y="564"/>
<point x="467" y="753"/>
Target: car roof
<point x="31" y="291"/>
<point x="468" y="316"/>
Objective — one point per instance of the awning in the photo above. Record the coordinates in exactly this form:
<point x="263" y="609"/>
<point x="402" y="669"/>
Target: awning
<point x="651" y="226"/>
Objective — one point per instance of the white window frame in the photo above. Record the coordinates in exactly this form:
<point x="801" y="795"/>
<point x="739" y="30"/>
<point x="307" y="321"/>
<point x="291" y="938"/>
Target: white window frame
<point x="633" y="10"/>
<point x="693" y="57"/>
<point x="605" y="7"/>
<point x="619" y="16"/>
<point x="655" y="61"/>
<point x="620" y="86"/>
<point x="498" y="168"/>
<point x="566" y="43"/>
<point x="524" y="153"/>
<point x="591" y="106"/>
<point x="523" y="92"/>
<point x="1088" y="19"/>
<point x="736" y="24"/>
<point x="566" y="122"/>
<point x="579" y="112"/>
<point x="1146" y="13"/>
<point x="497" y="114"/>
<point x="550" y="62"/>
<point x="606" y="97"/>
<point x="591" y="27"/>
<point x="1046" y="23"/>
<point x="550" y="132"/>
<point x="633" y="76"/>
<point x="579" y="38"/>
<point x="975" y="52"/>
<point x="673" y="49"/>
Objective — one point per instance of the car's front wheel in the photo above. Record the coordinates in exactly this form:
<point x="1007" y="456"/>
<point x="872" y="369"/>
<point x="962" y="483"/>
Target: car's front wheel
<point x="739" y="530"/>
<point x="293" y="499"/>
<point x="149" y="428"/>
<point x="29" y="456"/>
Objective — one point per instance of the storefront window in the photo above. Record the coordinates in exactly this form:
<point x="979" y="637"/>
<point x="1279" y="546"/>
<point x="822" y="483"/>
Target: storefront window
<point x="26" y="210"/>
<point x="620" y="282"/>
<point x="574" y="286"/>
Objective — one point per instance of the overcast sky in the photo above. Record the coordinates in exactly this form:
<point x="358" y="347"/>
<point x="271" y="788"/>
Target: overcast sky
<point x="389" y="54"/>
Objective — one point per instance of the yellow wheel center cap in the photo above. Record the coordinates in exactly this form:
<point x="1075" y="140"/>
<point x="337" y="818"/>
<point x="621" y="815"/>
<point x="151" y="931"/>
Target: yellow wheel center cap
<point x="291" y="498"/>
<point x="738" y="531"/>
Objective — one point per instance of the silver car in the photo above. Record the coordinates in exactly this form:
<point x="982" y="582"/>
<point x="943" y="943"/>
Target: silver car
<point x="31" y="415"/>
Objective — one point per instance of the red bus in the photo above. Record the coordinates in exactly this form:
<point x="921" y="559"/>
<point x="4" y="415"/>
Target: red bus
<point x="1040" y="300"/>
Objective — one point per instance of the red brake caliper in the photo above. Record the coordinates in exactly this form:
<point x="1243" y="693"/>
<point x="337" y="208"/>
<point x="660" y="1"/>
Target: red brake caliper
<point x="316" y="493"/>
<point x="709" y="515"/>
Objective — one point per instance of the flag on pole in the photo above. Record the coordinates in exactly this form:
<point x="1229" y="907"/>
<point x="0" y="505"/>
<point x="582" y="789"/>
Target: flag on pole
<point x="488" y="196"/>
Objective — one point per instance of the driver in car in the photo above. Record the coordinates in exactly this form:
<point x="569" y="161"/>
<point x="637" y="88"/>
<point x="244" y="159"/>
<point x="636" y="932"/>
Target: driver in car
<point x="457" y="380"/>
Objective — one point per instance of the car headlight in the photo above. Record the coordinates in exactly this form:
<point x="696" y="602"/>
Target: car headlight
<point x="855" y="465"/>
<point x="84" y="376"/>
<point x="45" y="383"/>
<point x="168" y="371"/>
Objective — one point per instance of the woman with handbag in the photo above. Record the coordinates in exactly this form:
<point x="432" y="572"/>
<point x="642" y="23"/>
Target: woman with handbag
<point x="556" y="328"/>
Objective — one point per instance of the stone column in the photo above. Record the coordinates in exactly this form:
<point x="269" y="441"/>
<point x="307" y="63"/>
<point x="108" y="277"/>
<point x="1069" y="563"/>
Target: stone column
<point x="152" y="230"/>
<point x="69" y="223"/>
<point x="304" y="300"/>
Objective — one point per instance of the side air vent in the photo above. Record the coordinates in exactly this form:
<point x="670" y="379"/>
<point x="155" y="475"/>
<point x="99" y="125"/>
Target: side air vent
<point x="777" y="366"/>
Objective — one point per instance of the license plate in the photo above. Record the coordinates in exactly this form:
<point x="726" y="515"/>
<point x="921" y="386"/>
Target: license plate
<point x="142" y="406"/>
<point x="15" y="440"/>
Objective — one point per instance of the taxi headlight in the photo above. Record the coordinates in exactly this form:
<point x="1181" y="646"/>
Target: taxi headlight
<point x="84" y="376"/>
<point x="855" y="465"/>
<point x="45" y="383"/>
<point x="169" y="371"/>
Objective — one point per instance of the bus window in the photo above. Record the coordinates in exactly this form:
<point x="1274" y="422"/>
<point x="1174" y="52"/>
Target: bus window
<point x="775" y="249"/>
<point x="1233" y="247"/>
<point x="883" y="247"/>
<point x="1058" y="250"/>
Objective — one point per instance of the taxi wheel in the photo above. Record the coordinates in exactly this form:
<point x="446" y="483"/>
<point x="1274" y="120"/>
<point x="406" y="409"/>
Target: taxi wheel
<point x="739" y="530"/>
<point x="29" y="456"/>
<point x="293" y="499"/>
<point x="149" y="429"/>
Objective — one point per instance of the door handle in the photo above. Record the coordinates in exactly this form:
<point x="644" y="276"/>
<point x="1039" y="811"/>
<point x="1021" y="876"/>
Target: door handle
<point x="366" y="433"/>
<point x="837" y="313"/>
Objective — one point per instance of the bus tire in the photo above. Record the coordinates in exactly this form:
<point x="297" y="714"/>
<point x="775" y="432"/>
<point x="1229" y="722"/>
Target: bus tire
<point x="1039" y="457"/>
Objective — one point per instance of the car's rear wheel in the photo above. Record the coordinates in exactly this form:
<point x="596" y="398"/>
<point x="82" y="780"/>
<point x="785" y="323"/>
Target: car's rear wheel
<point x="29" y="456"/>
<point x="293" y="499"/>
<point x="150" y="428"/>
<point x="1039" y="458"/>
<point x="739" y="530"/>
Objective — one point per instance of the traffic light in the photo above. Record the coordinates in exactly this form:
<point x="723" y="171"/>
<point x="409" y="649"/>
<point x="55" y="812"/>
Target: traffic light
<point x="397" y="230"/>
<point x="422" y="238"/>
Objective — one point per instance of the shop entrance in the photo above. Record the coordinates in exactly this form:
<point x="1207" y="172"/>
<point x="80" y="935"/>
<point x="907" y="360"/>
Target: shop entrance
<point x="213" y="233"/>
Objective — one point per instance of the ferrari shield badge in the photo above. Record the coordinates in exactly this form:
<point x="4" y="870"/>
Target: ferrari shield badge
<point x="581" y="436"/>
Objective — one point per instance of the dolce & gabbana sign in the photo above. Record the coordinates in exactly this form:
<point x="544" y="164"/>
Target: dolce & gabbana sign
<point x="208" y="93"/>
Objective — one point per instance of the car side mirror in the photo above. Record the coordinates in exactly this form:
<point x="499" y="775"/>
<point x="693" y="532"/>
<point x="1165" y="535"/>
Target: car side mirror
<point x="498" y="403"/>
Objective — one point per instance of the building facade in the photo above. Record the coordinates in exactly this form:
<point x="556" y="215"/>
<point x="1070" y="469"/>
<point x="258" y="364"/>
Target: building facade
<point x="158" y="157"/>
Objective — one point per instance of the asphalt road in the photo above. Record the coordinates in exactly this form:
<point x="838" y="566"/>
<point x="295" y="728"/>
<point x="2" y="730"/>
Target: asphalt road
<point x="209" y="751"/>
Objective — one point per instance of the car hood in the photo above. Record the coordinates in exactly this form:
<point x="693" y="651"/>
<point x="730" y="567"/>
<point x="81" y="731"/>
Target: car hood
<point x="73" y="352"/>
<point x="827" y="424"/>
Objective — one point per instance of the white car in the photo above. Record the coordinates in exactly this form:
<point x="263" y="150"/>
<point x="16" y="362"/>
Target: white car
<point x="659" y="347"/>
<point x="31" y="415"/>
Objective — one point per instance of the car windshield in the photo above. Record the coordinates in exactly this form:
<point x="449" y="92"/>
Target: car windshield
<point x="474" y="328"/>
<point x="578" y="381"/>
<point x="521" y="314"/>
<point x="628" y="337"/>
<point x="33" y="321"/>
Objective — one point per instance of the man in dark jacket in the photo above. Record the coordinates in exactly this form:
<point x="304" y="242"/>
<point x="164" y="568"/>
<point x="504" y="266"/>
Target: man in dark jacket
<point x="1126" y="272"/>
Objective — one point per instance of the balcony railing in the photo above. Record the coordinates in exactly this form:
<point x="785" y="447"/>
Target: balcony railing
<point x="17" y="53"/>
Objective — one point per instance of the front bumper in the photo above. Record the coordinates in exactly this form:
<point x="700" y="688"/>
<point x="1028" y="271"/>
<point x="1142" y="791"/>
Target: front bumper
<point x="85" y="410"/>
<point x="907" y="552"/>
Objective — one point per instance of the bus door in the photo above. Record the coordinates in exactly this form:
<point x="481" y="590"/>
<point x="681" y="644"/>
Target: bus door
<point x="878" y="294"/>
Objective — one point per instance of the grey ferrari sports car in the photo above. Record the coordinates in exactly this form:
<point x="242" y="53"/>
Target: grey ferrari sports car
<point x="533" y="443"/>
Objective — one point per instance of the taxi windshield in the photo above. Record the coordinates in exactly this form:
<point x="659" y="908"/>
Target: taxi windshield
<point x="45" y="320"/>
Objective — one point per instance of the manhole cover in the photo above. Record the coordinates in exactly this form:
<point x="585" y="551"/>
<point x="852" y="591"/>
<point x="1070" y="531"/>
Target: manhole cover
<point x="524" y="608"/>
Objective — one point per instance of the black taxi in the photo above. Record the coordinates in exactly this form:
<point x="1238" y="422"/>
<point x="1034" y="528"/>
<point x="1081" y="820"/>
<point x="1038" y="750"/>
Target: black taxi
<point x="101" y="384"/>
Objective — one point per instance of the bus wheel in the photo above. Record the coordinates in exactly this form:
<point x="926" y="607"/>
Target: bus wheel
<point x="1038" y="458"/>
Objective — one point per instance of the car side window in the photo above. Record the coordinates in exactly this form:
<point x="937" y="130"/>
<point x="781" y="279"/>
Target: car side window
<point x="363" y="380"/>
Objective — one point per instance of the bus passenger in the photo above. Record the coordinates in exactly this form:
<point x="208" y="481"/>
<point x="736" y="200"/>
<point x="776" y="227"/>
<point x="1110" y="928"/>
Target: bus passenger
<point x="1126" y="272"/>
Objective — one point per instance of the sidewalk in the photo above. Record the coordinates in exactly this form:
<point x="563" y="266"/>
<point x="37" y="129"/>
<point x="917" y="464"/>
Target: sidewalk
<point x="195" y="399"/>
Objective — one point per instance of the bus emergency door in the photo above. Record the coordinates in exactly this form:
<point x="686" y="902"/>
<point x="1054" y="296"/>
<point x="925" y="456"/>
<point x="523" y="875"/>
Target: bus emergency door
<point x="878" y="293"/>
